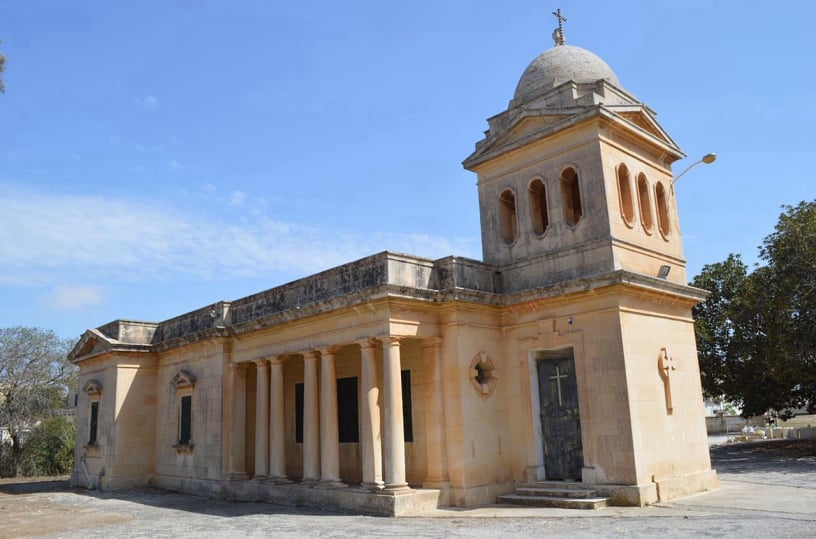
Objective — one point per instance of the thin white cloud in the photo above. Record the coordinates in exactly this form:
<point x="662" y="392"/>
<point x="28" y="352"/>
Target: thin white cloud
<point x="47" y="238"/>
<point x="148" y="103"/>
<point x="74" y="298"/>
<point x="237" y="198"/>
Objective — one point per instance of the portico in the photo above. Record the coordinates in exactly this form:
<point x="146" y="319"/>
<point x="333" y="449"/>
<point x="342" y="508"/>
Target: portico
<point x="380" y="451"/>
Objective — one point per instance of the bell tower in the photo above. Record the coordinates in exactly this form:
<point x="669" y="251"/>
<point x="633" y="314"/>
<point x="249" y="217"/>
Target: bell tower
<point x="574" y="178"/>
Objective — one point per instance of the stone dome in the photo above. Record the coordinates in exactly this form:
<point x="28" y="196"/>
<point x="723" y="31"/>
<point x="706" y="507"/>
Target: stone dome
<point x="559" y="65"/>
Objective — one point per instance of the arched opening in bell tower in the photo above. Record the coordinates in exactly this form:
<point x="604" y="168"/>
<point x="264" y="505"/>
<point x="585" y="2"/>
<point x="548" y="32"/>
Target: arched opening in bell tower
<point x="571" y="195"/>
<point x="507" y="216"/>
<point x="539" y="214"/>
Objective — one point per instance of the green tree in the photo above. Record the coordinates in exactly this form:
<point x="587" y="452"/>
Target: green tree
<point x="34" y="372"/>
<point x="756" y="333"/>
<point x="50" y="448"/>
<point x="714" y="322"/>
<point x="784" y="292"/>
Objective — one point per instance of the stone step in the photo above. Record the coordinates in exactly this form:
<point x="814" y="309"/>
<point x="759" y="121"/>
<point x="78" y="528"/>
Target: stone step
<point x="560" y="484"/>
<point x="556" y="492"/>
<point x="552" y="501"/>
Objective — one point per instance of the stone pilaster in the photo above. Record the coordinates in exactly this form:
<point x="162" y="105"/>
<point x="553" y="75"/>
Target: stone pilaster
<point x="435" y="443"/>
<point x="237" y="425"/>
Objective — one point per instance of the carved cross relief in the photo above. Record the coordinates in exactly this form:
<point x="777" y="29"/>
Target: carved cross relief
<point x="666" y="366"/>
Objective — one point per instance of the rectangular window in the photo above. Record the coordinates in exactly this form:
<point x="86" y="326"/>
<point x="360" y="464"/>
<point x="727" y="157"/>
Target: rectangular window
<point x="94" y="422"/>
<point x="186" y="420"/>
<point x="407" y="412"/>
<point x="347" y="410"/>
<point x="299" y="413"/>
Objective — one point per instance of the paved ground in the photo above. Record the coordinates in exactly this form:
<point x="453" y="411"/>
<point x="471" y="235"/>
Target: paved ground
<point x="767" y="489"/>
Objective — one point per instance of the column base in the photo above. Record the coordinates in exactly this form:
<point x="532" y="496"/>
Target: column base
<point x="278" y="480"/>
<point x="376" y="486"/>
<point x="396" y="488"/>
<point x="237" y="477"/>
<point x="259" y="477"/>
<point x="331" y="484"/>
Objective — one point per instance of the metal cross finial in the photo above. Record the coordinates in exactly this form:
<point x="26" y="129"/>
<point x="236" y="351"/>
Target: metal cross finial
<point x="558" y="34"/>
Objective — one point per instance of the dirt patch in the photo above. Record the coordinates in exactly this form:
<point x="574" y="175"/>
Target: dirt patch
<point x="28" y="511"/>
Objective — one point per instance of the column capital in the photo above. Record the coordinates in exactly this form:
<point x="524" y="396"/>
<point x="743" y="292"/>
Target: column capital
<point x="276" y="360"/>
<point x="261" y="362"/>
<point x="368" y="342"/>
<point x="390" y="340"/>
<point x="237" y="366"/>
<point x="327" y="350"/>
<point x="311" y="355"/>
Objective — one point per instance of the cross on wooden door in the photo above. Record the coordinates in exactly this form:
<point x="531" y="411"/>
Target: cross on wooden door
<point x="558" y="377"/>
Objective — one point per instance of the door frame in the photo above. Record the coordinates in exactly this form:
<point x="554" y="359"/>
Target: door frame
<point x="539" y="471"/>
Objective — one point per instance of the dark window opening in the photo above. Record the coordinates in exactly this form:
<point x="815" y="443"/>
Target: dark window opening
<point x="507" y="215"/>
<point x="625" y="191"/>
<point x="538" y="207"/>
<point x="571" y="195"/>
<point x="299" y="413"/>
<point x="663" y="221"/>
<point x="347" y="410"/>
<point x="645" y="203"/>
<point x="94" y="423"/>
<point x="186" y="420"/>
<point x="407" y="412"/>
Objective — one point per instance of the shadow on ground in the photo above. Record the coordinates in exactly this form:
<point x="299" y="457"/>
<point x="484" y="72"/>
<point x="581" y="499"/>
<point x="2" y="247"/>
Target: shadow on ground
<point x="155" y="497"/>
<point x="787" y="456"/>
<point x="765" y="457"/>
<point x="33" y="485"/>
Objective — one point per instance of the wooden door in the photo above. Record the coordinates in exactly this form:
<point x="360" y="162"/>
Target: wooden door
<point x="560" y="419"/>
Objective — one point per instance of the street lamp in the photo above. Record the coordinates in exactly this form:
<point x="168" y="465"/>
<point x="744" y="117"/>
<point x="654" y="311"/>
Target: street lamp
<point x="707" y="159"/>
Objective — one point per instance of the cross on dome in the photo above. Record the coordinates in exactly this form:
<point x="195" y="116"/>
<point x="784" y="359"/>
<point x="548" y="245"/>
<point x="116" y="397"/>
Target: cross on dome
<point x="558" y="33"/>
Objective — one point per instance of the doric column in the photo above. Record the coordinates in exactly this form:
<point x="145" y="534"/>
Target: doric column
<point x="261" y="418"/>
<point x="393" y="433"/>
<point x="370" y="445"/>
<point x="435" y="442"/>
<point x="329" y="436"/>
<point x="277" y="431"/>
<point x="311" y="418"/>
<point x="237" y="454"/>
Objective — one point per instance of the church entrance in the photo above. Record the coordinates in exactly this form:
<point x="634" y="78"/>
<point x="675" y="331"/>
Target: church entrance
<point x="560" y="419"/>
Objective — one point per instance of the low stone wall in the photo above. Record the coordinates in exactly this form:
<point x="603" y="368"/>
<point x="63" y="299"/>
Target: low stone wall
<point x="732" y="424"/>
<point x="804" y="433"/>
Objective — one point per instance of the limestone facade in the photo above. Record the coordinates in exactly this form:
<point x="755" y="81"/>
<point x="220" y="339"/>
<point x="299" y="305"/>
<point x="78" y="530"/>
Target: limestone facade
<point x="397" y="383"/>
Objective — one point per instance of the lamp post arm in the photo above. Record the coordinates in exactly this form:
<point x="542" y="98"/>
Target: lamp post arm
<point x="707" y="159"/>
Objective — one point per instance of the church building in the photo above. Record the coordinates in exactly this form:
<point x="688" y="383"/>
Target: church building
<point x="396" y="384"/>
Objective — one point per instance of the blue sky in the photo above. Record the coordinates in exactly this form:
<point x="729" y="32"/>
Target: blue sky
<point x="159" y="156"/>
